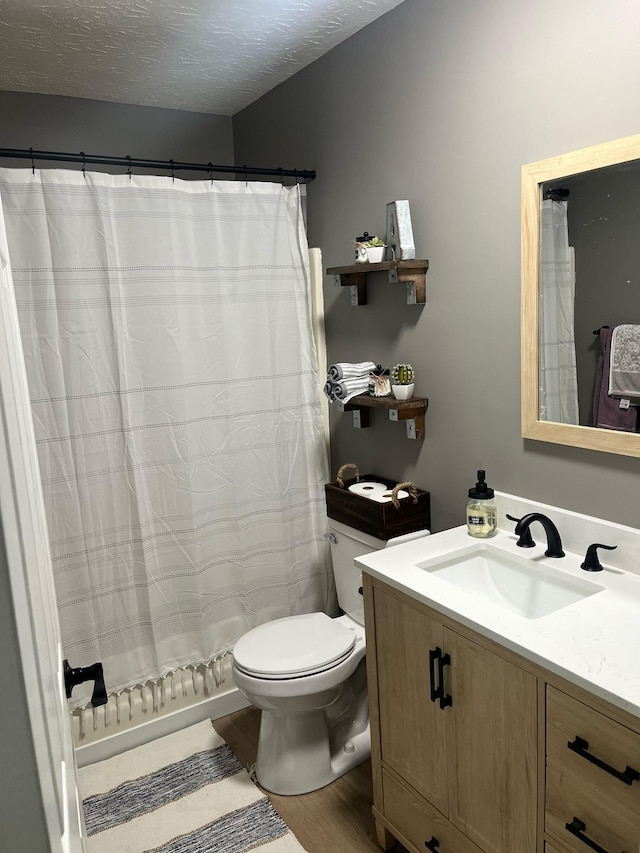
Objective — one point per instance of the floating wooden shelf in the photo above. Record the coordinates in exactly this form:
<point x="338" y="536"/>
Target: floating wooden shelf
<point x="412" y="274"/>
<point x="411" y="411"/>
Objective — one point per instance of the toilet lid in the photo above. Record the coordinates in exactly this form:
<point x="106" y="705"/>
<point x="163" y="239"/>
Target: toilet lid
<point x="293" y="646"/>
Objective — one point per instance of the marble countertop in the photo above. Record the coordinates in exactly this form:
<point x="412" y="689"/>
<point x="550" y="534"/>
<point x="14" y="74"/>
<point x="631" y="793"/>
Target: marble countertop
<point x="593" y="643"/>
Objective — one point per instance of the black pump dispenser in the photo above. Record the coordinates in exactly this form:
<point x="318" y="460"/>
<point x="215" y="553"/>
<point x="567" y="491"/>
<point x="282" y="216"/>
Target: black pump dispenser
<point x="481" y="492"/>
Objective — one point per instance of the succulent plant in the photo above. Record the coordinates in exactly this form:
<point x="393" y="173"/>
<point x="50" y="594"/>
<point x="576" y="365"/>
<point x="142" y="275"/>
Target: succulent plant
<point x="402" y="374"/>
<point x="374" y="242"/>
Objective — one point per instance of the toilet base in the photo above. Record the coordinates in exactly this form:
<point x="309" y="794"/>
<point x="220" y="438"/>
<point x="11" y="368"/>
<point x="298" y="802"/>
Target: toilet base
<point x="294" y="754"/>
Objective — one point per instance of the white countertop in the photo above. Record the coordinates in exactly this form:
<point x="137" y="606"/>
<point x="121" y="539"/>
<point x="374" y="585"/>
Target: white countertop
<point x="593" y="643"/>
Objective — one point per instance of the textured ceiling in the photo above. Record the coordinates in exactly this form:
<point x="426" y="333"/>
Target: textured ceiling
<point x="213" y="56"/>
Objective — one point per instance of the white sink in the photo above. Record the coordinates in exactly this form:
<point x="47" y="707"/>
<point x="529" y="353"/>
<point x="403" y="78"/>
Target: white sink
<point x="513" y="582"/>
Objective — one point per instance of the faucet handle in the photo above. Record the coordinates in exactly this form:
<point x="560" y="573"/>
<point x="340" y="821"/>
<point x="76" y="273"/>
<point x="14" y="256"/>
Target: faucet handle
<point x="526" y="539"/>
<point x="591" y="561"/>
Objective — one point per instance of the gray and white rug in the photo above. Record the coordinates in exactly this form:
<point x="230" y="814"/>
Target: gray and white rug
<point x="181" y="793"/>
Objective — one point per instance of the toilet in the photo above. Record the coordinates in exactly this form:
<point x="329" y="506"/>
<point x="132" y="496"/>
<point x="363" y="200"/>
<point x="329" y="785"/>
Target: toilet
<point x="307" y="674"/>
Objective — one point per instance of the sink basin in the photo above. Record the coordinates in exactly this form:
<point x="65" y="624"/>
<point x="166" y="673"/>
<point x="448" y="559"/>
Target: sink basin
<point x="514" y="583"/>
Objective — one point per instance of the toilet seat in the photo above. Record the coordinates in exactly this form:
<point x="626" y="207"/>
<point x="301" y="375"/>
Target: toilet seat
<point x="294" y="647"/>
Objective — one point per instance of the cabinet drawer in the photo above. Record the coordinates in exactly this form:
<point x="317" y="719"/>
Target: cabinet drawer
<point x="609" y="754"/>
<point x="606" y="823"/>
<point x="419" y="822"/>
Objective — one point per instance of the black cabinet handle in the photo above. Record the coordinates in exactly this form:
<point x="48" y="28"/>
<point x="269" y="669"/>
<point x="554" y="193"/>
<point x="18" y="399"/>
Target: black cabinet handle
<point x="576" y="828"/>
<point x="437" y="692"/>
<point x="432" y="845"/>
<point x="580" y="746"/>
<point x="433" y="690"/>
<point x="443" y="660"/>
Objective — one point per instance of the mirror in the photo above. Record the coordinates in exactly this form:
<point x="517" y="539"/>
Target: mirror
<point x="580" y="272"/>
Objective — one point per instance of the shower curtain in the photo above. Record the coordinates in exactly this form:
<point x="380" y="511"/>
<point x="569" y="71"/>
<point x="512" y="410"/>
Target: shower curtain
<point x="558" y="383"/>
<point x="176" y="402"/>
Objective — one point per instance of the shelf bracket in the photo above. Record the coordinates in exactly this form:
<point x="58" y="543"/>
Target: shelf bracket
<point x="361" y="418"/>
<point x="411" y="273"/>
<point x="415" y="281"/>
<point x="414" y="422"/>
<point x="357" y="284"/>
<point x="412" y="411"/>
<point x="360" y="414"/>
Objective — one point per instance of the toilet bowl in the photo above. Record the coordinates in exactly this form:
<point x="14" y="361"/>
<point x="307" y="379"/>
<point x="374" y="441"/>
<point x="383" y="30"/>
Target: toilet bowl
<point x="307" y="674"/>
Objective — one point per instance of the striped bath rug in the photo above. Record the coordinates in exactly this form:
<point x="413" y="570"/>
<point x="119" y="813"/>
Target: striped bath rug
<point x="181" y="793"/>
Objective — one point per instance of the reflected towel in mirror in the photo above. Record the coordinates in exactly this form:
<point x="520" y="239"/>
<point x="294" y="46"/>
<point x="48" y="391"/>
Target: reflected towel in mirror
<point x="607" y="413"/>
<point x="624" y="373"/>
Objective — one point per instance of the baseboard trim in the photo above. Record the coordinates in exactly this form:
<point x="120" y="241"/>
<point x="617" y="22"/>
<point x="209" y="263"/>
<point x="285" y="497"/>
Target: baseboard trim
<point x="209" y="709"/>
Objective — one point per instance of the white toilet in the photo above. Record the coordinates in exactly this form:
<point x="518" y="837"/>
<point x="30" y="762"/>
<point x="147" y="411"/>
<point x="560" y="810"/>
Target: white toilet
<point x="307" y="675"/>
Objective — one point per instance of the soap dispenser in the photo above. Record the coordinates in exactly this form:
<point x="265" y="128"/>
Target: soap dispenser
<point x="482" y="515"/>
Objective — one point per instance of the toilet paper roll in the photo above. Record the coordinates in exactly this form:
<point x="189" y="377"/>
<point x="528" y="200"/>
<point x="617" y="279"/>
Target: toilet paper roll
<point x="385" y="497"/>
<point x="376" y="492"/>
<point x="367" y="489"/>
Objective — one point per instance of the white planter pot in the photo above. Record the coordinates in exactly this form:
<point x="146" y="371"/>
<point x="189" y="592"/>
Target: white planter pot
<point x="402" y="392"/>
<point x="375" y="254"/>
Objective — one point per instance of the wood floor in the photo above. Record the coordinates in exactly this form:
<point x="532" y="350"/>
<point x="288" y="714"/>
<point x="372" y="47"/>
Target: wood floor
<point x="335" y="819"/>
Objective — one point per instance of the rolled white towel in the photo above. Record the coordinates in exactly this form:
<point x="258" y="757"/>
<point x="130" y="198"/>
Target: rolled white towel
<point x="328" y="390"/>
<point x="350" y="370"/>
<point x="348" y="388"/>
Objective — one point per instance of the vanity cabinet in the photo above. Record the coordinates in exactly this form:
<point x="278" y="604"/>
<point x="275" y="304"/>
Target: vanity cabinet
<point x="592" y="779"/>
<point x="476" y="749"/>
<point x="456" y="732"/>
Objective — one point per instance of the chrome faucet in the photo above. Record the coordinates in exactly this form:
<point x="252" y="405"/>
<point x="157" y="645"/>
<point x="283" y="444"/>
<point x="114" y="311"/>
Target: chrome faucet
<point x="554" y="545"/>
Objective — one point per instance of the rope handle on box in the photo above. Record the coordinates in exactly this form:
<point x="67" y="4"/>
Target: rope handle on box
<point x="410" y="487"/>
<point x="341" y="471"/>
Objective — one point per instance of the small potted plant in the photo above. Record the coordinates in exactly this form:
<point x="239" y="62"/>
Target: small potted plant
<point x="402" y="381"/>
<point x="375" y="250"/>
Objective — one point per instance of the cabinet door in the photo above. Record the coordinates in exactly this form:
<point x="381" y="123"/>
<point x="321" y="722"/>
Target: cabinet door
<point x="412" y="726"/>
<point x="491" y="745"/>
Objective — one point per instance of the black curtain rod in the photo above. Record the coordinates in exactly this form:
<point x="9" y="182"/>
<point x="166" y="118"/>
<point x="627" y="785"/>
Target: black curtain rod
<point x="134" y="162"/>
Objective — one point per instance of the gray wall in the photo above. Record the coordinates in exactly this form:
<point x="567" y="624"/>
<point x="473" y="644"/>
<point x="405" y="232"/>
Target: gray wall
<point x="442" y="103"/>
<point x="22" y="820"/>
<point x="52" y="123"/>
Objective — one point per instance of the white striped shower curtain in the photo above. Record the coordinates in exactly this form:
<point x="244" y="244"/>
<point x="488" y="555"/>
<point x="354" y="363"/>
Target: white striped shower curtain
<point x="557" y="376"/>
<point x="174" y="388"/>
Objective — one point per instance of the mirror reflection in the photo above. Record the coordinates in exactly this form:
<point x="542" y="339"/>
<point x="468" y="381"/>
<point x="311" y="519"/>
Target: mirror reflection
<point x="581" y="298"/>
<point x="590" y="286"/>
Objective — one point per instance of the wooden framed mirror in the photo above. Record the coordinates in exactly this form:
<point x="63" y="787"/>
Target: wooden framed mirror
<point x="596" y="285"/>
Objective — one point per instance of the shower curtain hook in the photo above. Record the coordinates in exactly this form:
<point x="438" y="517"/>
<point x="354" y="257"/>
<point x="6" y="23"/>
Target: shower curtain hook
<point x="33" y="165"/>
<point x="210" y="170"/>
<point x="246" y="176"/>
<point x="281" y="170"/>
<point x="129" y="166"/>
<point x="173" y="176"/>
<point x="295" y="175"/>
<point x="82" y="154"/>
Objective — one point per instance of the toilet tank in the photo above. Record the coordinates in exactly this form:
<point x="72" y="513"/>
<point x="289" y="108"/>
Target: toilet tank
<point x="347" y="543"/>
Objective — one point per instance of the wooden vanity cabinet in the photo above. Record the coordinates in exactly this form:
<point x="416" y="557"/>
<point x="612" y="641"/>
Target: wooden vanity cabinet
<point x="454" y="727"/>
<point x="476" y="750"/>
<point x="592" y="779"/>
